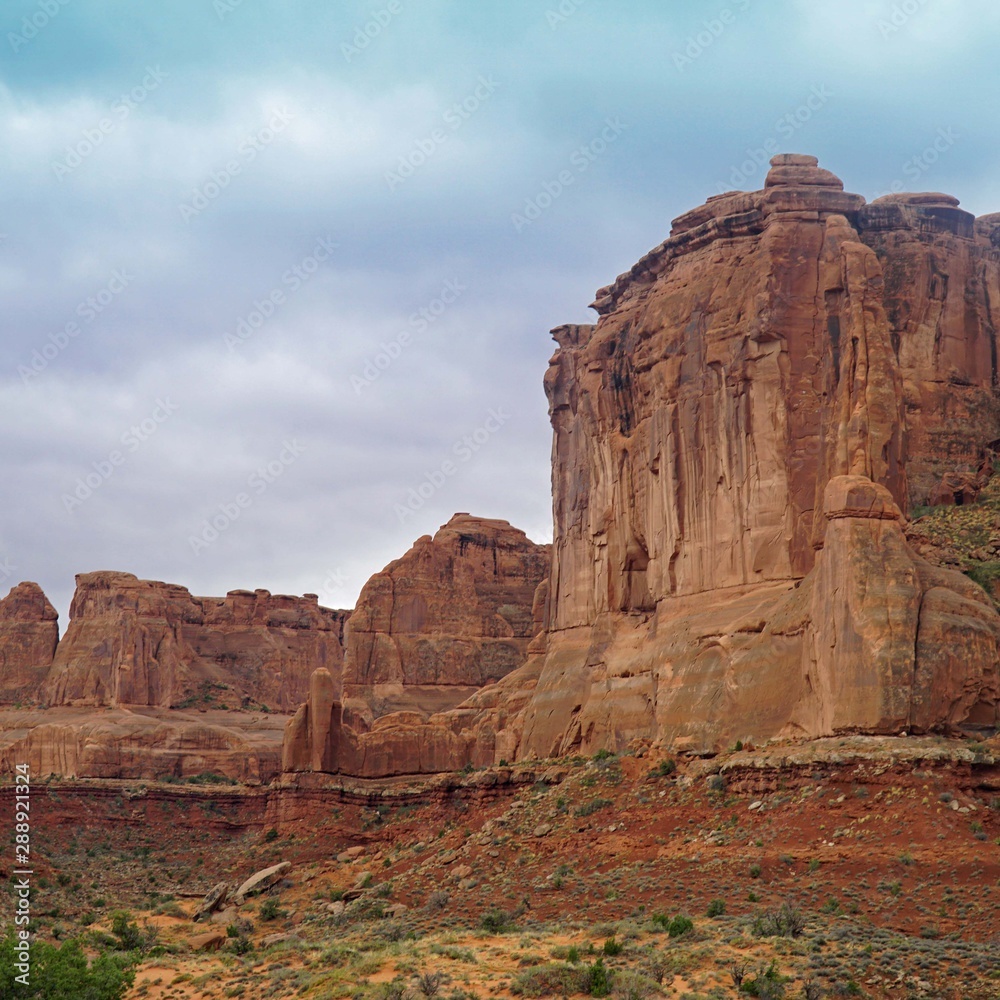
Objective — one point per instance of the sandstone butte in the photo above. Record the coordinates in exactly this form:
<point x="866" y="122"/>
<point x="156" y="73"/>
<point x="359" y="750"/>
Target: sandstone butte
<point x="738" y="443"/>
<point x="150" y="681"/>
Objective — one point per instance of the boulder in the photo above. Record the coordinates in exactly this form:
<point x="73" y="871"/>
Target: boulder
<point x="209" y="941"/>
<point x="260" y="881"/>
<point x="214" y="900"/>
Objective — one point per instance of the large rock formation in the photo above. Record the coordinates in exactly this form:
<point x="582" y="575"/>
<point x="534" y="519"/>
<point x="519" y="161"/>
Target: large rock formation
<point x="735" y="443"/>
<point x="139" y="642"/>
<point x="736" y="371"/>
<point x="29" y="632"/>
<point x="453" y="614"/>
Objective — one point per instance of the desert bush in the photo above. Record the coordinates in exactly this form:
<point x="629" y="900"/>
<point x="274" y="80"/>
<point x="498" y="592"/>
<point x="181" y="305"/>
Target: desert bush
<point x="786" y="922"/>
<point x="58" y="973"/>
<point x="496" y="921"/>
<point x="551" y="980"/>
<point x="594" y="805"/>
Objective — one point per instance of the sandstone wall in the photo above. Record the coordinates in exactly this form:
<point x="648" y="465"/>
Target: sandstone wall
<point x="29" y="632"/>
<point x="454" y="613"/>
<point x="736" y="442"/>
<point x="140" y="642"/>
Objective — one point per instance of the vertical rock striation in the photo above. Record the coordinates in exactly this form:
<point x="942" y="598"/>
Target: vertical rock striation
<point x="454" y="613"/>
<point x="29" y="632"/>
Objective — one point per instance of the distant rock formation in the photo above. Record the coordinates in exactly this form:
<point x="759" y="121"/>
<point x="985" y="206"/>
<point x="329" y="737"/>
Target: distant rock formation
<point x="140" y="642"/>
<point x="454" y="613"/>
<point x="29" y="632"/>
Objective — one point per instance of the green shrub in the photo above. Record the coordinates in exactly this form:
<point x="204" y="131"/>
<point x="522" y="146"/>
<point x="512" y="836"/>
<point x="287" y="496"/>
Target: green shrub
<point x="594" y="805"/>
<point x="496" y="921"/>
<point x="755" y="871"/>
<point x="551" y="980"/>
<point x="269" y="910"/>
<point x="664" y="769"/>
<point x="612" y="946"/>
<point x="64" y="972"/>
<point x="716" y="908"/>
<point x="768" y="984"/>
<point x="598" y="981"/>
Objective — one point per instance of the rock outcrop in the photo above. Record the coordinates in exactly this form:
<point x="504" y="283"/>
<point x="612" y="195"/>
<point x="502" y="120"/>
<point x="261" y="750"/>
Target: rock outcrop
<point x="401" y="743"/>
<point x="756" y="357"/>
<point x="454" y="613"/>
<point x="736" y="443"/>
<point x="29" y="632"/>
<point x="140" y="642"/>
<point x="152" y="744"/>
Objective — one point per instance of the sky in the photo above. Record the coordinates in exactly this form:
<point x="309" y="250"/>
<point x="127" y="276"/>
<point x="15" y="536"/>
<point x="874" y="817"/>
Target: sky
<point x="278" y="275"/>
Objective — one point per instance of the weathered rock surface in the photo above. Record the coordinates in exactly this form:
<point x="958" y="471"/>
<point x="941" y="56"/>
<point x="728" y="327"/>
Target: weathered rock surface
<point x="735" y="442"/>
<point x="454" y="613"/>
<point x="139" y="642"/>
<point x="317" y="739"/>
<point x="214" y="900"/>
<point x="261" y="880"/>
<point x="29" y="632"/>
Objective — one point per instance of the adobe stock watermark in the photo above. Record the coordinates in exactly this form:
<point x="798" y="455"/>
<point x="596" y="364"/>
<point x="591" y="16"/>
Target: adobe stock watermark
<point x="131" y="441"/>
<point x="92" y="138"/>
<point x="563" y="12"/>
<point x="915" y="167"/>
<point x="580" y="162"/>
<point x="759" y="157"/>
<point x="88" y="310"/>
<point x="223" y="8"/>
<point x="333" y="584"/>
<point x="258" y="483"/>
<point x="463" y="450"/>
<point x="33" y="25"/>
<point x="365" y="34"/>
<point x="419" y="322"/>
<point x="711" y="31"/>
<point x="292" y="280"/>
<point x="7" y="569"/>
<point x="249" y="149"/>
<point x="454" y="118"/>
<point x="21" y="889"/>
<point x="900" y="16"/>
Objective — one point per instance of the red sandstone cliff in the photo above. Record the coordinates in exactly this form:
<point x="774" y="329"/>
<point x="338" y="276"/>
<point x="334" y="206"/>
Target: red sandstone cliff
<point x="454" y="613"/>
<point x="29" y="632"/>
<point x="139" y="642"/>
<point x="735" y="441"/>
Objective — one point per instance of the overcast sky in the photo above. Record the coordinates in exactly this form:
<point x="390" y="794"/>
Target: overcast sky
<point x="268" y="263"/>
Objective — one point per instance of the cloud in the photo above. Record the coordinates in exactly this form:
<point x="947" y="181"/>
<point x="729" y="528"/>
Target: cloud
<point x="482" y="107"/>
